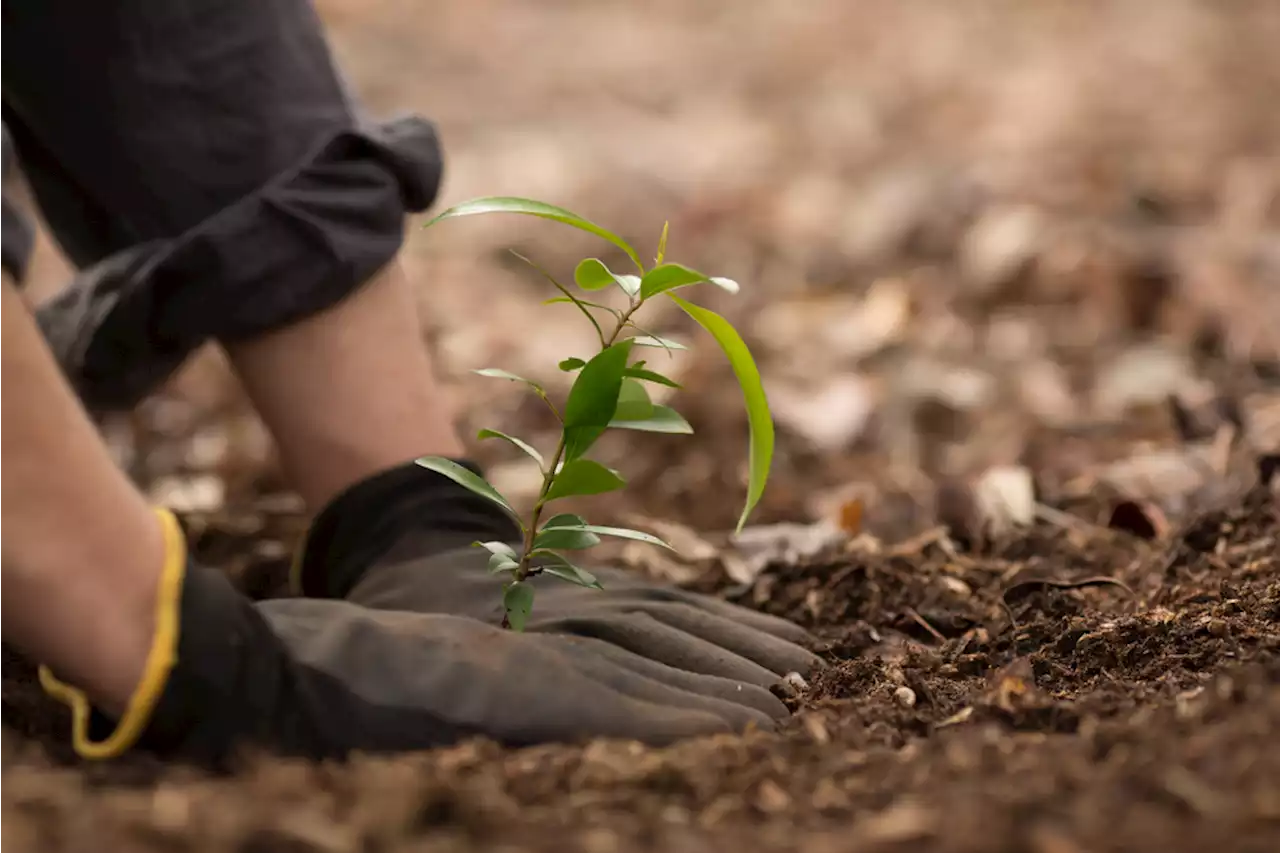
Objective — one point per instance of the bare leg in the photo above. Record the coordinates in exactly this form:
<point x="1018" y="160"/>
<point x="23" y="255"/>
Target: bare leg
<point x="350" y="391"/>
<point x="82" y="549"/>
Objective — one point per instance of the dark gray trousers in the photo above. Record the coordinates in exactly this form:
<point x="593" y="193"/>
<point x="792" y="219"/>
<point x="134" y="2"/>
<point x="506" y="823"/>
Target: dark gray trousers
<point x="204" y="168"/>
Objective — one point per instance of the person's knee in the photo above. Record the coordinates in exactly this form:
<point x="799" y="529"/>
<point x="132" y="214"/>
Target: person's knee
<point x="218" y="185"/>
<point x="299" y="245"/>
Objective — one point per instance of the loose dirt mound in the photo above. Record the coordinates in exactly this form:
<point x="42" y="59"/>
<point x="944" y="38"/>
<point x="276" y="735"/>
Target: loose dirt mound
<point x="1134" y="717"/>
<point x="1011" y="274"/>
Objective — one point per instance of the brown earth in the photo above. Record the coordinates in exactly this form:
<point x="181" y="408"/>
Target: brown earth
<point x="982" y="246"/>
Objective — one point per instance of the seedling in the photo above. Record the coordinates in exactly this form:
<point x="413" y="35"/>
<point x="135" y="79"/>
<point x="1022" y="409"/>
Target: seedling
<point x="609" y="392"/>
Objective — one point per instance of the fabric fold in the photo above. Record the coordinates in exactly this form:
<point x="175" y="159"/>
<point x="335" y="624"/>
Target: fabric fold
<point x="296" y="246"/>
<point x="16" y="237"/>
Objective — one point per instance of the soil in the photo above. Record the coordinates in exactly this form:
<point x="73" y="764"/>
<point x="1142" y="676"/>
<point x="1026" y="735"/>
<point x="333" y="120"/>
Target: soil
<point x="1096" y="670"/>
<point x="965" y="708"/>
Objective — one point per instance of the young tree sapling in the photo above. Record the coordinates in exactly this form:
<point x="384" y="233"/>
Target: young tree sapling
<point x="608" y="393"/>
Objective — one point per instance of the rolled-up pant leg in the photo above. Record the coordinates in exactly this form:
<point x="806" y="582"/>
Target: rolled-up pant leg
<point x="202" y="164"/>
<point x="16" y="233"/>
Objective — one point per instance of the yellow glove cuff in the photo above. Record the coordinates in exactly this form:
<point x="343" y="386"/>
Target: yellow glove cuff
<point x="160" y="660"/>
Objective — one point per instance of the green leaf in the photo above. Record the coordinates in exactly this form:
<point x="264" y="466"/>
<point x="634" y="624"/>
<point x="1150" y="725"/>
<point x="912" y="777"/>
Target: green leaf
<point x="630" y="284"/>
<point x="662" y="244"/>
<point x="619" y="532"/>
<point x="758" y="415"/>
<point x="508" y="204"/>
<point x="564" y="519"/>
<point x="670" y="276"/>
<point x="594" y="396"/>
<point x="520" y="443"/>
<point x="555" y="564"/>
<point x="496" y="373"/>
<point x="578" y="440"/>
<point x="467" y="479"/>
<point x="584" y="477"/>
<point x="593" y="399"/>
<point x="661" y="419"/>
<point x="498" y="549"/>
<point x="576" y="301"/>
<point x="571" y="364"/>
<point x="633" y="402"/>
<point x="566" y="539"/>
<point x="517" y="601"/>
<point x="499" y="564"/>
<point x="636" y="372"/>
<point x="656" y="341"/>
<point x="592" y="274"/>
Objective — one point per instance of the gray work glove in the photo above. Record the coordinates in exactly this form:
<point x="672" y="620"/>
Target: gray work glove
<point x="402" y="540"/>
<point x="395" y="646"/>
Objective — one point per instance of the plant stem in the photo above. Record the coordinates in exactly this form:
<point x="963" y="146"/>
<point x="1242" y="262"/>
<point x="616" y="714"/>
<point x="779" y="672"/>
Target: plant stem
<point x="531" y="530"/>
<point x="622" y="321"/>
<point x="549" y="476"/>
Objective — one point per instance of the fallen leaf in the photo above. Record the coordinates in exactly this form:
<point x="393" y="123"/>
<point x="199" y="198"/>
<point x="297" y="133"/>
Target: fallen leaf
<point x="771" y="799"/>
<point x="1139" y="518"/>
<point x="996" y="504"/>
<point x="1099" y="580"/>
<point x="692" y="558"/>
<point x="785" y="543"/>
<point x="200" y="493"/>
<point x="1146" y="374"/>
<point x="961" y="716"/>
<point x="1006" y="498"/>
<point x="851" y="513"/>
<point x="1000" y="245"/>
<point x="828" y="414"/>
<point x="1022" y="587"/>
<point x="1013" y="689"/>
<point x="903" y="821"/>
<point x="1009" y="689"/>
<point x="1168" y="477"/>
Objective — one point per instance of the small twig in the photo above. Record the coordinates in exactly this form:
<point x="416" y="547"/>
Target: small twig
<point x="1096" y="580"/>
<point x="917" y="543"/>
<point x="560" y="287"/>
<point x="1065" y="519"/>
<point x="924" y="623"/>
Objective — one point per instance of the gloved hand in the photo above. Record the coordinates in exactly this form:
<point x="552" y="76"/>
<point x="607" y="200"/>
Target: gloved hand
<point x="402" y="540"/>
<point x="322" y="678"/>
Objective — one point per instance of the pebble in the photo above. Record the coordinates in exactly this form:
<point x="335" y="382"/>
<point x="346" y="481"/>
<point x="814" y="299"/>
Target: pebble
<point x="796" y="681"/>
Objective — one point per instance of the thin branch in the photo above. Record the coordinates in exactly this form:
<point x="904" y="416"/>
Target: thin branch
<point x="565" y="291"/>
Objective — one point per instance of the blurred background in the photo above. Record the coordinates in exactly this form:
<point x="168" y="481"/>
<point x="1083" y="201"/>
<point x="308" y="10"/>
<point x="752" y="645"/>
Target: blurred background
<point x="1031" y="237"/>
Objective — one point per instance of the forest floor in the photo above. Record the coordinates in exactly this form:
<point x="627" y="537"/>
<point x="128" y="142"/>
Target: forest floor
<point x="1012" y="276"/>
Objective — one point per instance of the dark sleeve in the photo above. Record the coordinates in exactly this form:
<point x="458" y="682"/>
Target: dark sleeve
<point x="15" y="229"/>
<point x="203" y="165"/>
